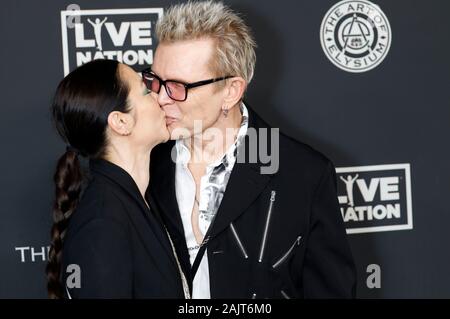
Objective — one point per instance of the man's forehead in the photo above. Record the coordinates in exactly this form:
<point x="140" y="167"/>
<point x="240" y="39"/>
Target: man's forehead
<point x="183" y="59"/>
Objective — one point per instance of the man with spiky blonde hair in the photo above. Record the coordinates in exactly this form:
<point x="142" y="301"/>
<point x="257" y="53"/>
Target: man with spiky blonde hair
<point x="245" y="224"/>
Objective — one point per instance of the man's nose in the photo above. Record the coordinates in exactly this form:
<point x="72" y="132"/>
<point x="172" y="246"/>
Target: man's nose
<point x="163" y="97"/>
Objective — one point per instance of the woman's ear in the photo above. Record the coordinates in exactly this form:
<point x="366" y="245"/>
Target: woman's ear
<point x="234" y="91"/>
<point x="120" y="123"/>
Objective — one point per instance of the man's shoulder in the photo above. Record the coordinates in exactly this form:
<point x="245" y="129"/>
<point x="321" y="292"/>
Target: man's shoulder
<point x="161" y="153"/>
<point x="293" y="152"/>
<point x="163" y="147"/>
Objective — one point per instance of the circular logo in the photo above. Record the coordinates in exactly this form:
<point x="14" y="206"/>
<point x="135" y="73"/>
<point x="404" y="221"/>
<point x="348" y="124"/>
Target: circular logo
<point x="355" y="35"/>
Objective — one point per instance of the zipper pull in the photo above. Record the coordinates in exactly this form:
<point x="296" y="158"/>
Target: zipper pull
<point x="272" y="196"/>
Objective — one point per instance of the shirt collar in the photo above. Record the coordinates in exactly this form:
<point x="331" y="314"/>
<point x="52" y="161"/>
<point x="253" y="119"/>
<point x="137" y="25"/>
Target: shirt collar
<point x="183" y="154"/>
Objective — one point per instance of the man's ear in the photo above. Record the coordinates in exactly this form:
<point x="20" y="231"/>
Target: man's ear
<point x="120" y="123"/>
<point x="234" y="91"/>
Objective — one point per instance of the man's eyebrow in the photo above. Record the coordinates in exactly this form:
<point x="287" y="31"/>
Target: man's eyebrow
<point x="171" y="79"/>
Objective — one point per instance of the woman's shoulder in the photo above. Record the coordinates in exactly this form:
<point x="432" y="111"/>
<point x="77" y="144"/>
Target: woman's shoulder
<point x="100" y="201"/>
<point x="98" y="241"/>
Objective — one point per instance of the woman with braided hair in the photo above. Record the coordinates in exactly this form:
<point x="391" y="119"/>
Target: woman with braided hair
<point x="108" y="240"/>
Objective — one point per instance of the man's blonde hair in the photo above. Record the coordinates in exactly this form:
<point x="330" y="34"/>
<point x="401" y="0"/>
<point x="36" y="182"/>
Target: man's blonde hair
<point x="235" y="46"/>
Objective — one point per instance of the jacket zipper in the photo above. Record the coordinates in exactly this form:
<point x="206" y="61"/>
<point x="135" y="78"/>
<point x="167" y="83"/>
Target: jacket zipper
<point x="238" y="240"/>
<point x="285" y="256"/>
<point x="266" y="228"/>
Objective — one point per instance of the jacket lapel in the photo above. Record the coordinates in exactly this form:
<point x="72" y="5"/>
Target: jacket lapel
<point x="118" y="176"/>
<point x="161" y="193"/>
<point x="245" y="184"/>
<point x="162" y="186"/>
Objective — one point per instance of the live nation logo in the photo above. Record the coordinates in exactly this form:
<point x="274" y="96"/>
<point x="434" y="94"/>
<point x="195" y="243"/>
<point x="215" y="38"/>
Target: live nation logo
<point x="125" y="35"/>
<point x="375" y="198"/>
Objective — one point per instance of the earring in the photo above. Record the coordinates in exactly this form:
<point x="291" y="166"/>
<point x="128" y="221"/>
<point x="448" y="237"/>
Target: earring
<point x="225" y="112"/>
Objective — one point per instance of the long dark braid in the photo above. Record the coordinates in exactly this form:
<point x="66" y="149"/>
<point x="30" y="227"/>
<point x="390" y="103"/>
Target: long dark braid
<point x="68" y="179"/>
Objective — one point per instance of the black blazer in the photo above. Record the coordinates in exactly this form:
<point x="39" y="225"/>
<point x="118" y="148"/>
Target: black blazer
<point x="119" y="244"/>
<point x="306" y="253"/>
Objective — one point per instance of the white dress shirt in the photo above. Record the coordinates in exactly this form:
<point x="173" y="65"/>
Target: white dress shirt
<point x="212" y="189"/>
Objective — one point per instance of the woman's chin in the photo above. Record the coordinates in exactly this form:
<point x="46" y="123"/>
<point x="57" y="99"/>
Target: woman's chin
<point x="165" y="136"/>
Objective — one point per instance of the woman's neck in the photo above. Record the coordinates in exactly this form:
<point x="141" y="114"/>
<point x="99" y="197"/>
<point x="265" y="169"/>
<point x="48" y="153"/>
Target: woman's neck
<point x="134" y="162"/>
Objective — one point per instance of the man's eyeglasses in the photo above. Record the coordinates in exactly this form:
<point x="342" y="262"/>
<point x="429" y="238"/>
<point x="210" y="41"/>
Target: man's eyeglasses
<point x="176" y="90"/>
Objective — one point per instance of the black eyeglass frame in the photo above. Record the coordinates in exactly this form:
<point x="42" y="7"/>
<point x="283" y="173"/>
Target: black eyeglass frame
<point x="187" y="86"/>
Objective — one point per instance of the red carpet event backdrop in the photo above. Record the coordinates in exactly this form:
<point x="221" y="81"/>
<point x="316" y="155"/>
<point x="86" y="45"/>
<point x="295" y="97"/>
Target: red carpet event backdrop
<point x="366" y="83"/>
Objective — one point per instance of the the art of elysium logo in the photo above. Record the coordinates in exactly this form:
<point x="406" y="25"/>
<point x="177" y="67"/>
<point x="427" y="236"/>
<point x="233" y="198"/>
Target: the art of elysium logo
<point x="355" y="35"/>
<point x="125" y="35"/>
<point x="375" y="198"/>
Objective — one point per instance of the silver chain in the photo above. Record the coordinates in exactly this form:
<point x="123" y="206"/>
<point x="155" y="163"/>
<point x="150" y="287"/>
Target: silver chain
<point x="187" y="294"/>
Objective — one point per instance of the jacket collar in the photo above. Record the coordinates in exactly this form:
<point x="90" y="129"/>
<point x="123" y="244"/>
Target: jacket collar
<point x="118" y="176"/>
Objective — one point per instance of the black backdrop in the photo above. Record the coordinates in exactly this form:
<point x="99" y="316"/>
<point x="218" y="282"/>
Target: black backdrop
<point x="389" y="125"/>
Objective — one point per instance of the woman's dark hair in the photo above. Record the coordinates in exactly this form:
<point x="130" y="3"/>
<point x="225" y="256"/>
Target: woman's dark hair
<point x="82" y="103"/>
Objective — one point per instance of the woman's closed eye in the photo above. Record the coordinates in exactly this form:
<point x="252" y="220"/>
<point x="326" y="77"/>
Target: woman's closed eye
<point x="146" y="91"/>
